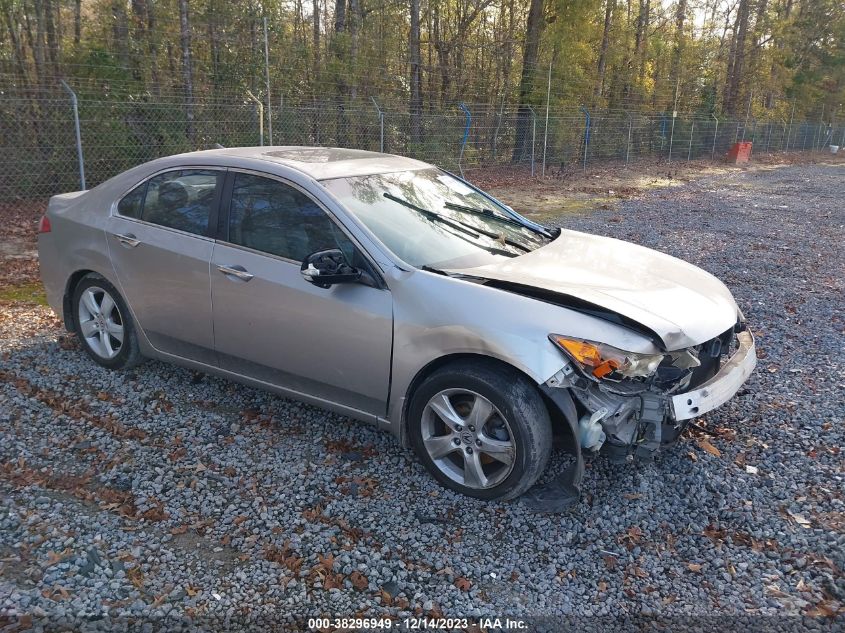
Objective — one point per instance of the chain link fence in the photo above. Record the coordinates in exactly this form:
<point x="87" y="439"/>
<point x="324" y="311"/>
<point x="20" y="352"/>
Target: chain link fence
<point x="39" y="155"/>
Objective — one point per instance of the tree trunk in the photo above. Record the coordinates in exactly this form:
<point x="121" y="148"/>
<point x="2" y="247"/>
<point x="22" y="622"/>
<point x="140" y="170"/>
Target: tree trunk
<point x="605" y="41"/>
<point x="339" y="47"/>
<point x="533" y="29"/>
<point x="17" y="46"/>
<point x="52" y="40"/>
<point x="354" y="26"/>
<point x="415" y="103"/>
<point x="678" y="51"/>
<point x="315" y="57"/>
<point x="736" y="66"/>
<point x="77" y="22"/>
<point x="120" y="32"/>
<point x="187" y="70"/>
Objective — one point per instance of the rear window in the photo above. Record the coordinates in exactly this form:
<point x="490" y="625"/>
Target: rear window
<point x="130" y="205"/>
<point x="180" y="199"/>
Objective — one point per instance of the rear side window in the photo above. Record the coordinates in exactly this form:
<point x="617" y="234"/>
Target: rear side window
<point x="181" y="199"/>
<point x="130" y="205"/>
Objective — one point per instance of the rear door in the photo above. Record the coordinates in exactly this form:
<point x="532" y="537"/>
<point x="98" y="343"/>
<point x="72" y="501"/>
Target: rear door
<point x="271" y="324"/>
<point x="160" y="244"/>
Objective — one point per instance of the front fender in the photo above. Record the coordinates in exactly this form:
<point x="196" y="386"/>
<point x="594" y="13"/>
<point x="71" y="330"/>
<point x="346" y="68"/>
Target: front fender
<point x="437" y="316"/>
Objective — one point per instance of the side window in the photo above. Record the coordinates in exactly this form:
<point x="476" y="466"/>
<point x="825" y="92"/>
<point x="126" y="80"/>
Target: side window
<point x="130" y="205"/>
<point x="272" y="217"/>
<point x="181" y="199"/>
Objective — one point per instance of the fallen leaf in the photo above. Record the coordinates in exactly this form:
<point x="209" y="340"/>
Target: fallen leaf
<point x="602" y="586"/>
<point x="799" y="519"/>
<point x="463" y="584"/>
<point x="359" y="580"/>
<point x="706" y="446"/>
<point x="694" y="567"/>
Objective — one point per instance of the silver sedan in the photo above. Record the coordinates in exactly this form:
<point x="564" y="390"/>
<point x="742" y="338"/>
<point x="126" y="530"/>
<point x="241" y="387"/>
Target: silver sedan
<point x="396" y="293"/>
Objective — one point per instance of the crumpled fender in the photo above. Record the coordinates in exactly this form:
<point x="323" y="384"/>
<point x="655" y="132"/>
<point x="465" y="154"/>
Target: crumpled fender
<point x="565" y="490"/>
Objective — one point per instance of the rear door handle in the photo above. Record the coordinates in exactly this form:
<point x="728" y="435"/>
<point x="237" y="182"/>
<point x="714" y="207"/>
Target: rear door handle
<point x="128" y="240"/>
<point x="235" y="271"/>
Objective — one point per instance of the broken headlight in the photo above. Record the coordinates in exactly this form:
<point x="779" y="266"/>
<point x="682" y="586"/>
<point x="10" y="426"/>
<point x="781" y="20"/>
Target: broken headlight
<point x="604" y="361"/>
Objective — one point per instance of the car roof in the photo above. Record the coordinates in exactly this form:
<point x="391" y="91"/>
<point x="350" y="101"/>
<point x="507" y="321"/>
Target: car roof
<point x="321" y="163"/>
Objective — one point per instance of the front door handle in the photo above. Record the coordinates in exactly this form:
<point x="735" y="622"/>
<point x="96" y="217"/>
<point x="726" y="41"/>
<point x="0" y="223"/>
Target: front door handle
<point x="235" y="271"/>
<point x="128" y="240"/>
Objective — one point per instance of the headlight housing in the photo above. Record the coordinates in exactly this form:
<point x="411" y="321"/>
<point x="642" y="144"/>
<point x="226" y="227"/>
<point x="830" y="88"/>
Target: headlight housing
<point x="606" y="362"/>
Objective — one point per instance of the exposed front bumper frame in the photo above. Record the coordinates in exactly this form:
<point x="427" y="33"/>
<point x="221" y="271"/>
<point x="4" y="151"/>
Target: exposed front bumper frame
<point x="721" y="387"/>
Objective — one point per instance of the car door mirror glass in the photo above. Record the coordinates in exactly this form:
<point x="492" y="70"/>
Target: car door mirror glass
<point x="329" y="267"/>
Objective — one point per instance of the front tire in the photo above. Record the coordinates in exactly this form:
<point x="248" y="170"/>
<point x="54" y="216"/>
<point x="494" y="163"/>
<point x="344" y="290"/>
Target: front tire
<point x="481" y="428"/>
<point x="104" y="325"/>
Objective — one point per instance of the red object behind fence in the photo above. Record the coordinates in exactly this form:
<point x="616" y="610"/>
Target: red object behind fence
<point x="740" y="152"/>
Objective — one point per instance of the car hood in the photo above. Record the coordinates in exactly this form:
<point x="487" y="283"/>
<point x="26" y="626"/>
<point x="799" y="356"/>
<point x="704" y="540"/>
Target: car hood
<point x="680" y="303"/>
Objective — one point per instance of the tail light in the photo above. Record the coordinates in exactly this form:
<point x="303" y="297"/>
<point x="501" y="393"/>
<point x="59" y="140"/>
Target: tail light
<point x="44" y="224"/>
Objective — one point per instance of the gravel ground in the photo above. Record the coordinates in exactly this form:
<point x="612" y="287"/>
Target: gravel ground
<point x="171" y="498"/>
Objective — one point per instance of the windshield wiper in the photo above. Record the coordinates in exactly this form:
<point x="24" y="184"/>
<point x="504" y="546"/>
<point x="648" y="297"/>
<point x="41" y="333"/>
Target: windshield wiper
<point x="455" y="224"/>
<point x="487" y="213"/>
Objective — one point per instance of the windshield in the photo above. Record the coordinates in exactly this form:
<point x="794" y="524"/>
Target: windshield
<point x="429" y="218"/>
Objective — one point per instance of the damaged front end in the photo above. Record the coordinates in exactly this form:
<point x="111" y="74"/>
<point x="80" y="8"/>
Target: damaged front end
<point x="629" y="406"/>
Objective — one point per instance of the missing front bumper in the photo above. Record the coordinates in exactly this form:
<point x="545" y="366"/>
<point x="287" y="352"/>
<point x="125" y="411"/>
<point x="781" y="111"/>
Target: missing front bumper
<point x="721" y="387"/>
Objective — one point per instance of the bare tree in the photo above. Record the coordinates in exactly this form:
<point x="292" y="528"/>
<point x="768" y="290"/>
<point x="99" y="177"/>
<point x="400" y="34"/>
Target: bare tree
<point x="187" y="69"/>
<point x="533" y="29"/>
<point x="415" y="103"/>
<point x="605" y="41"/>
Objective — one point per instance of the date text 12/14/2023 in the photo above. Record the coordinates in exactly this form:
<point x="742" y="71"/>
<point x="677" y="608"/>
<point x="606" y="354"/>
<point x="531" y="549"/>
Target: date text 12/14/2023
<point x="417" y="624"/>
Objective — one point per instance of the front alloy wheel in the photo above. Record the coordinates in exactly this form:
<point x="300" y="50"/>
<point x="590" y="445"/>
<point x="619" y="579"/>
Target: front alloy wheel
<point x="467" y="438"/>
<point x="481" y="428"/>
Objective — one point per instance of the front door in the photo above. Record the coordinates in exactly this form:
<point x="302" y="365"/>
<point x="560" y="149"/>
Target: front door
<point x="160" y="247"/>
<point x="271" y="324"/>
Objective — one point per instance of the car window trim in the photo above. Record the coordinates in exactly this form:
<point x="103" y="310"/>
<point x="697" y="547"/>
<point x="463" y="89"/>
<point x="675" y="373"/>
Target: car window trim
<point x="226" y="205"/>
<point x="213" y="213"/>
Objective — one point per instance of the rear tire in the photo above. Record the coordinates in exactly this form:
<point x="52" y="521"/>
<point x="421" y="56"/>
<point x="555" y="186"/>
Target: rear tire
<point x="103" y="324"/>
<point x="481" y="428"/>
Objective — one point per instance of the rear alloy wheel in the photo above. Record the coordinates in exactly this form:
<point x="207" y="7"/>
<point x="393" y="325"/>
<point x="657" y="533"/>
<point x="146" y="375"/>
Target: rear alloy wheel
<point x="103" y="324"/>
<point x="481" y="429"/>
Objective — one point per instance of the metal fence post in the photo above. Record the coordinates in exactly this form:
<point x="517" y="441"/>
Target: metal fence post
<point x="546" y="126"/>
<point x="672" y="133"/>
<point x="715" y="134"/>
<point x="533" y="136"/>
<point x="691" y="132"/>
<point x="267" y="79"/>
<point x="753" y="132"/>
<point x="260" y="115"/>
<point x="791" y="120"/>
<point x="769" y="135"/>
<point x="630" y="129"/>
<point x="466" y="136"/>
<point x="586" y="134"/>
<point x="79" y="157"/>
<point x="380" y="125"/>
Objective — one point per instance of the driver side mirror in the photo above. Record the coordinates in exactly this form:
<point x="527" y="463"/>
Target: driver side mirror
<point x="326" y="268"/>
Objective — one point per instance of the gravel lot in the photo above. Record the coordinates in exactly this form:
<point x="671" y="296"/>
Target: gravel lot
<point x="176" y="499"/>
